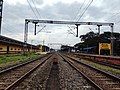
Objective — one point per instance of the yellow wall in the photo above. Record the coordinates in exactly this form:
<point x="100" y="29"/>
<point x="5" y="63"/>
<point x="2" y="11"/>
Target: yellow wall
<point x="4" y="47"/>
<point x="105" y="46"/>
<point x="15" y="48"/>
<point x="40" y="49"/>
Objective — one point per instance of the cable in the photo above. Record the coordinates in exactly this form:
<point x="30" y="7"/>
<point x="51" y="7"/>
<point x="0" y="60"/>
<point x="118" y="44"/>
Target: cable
<point x="10" y="31"/>
<point x="41" y="29"/>
<point x="32" y="9"/>
<point x="36" y="8"/>
<point x="9" y="26"/>
<point x="79" y="10"/>
<point x="69" y="31"/>
<point x="84" y="11"/>
<point x="36" y="11"/>
<point x="77" y="15"/>
<point x="7" y="30"/>
<point x="115" y="16"/>
<point x="33" y="1"/>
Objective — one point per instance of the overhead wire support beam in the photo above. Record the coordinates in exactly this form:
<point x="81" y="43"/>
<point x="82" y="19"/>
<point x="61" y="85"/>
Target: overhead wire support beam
<point x="77" y="29"/>
<point x="99" y="29"/>
<point x="35" y="27"/>
<point x="69" y="23"/>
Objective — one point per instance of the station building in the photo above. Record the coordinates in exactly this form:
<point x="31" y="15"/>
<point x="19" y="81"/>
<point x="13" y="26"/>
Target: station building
<point x="9" y="45"/>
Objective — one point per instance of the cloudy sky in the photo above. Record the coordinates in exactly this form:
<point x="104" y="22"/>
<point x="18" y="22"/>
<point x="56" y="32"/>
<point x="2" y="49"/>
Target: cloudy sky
<point x="16" y="11"/>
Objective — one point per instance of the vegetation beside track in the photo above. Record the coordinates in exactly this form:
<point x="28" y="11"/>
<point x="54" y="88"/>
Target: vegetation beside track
<point x="103" y="67"/>
<point x="11" y="59"/>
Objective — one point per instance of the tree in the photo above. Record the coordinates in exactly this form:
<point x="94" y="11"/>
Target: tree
<point x="89" y="35"/>
<point x="92" y="39"/>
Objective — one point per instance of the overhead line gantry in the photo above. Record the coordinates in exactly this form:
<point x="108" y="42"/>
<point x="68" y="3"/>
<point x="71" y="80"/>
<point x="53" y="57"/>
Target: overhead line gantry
<point x="99" y="24"/>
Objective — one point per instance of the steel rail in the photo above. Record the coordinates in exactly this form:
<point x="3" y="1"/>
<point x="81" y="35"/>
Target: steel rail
<point x="14" y="84"/>
<point x="100" y="62"/>
<point x="19" y="65"/>
<point x="115" y="79"/>
<point x="85" y="76"/>
<point x="102" y="71"/>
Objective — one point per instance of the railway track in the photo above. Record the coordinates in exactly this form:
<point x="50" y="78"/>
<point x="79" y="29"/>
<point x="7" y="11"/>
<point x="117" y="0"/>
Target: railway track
<point x="112" y="69"/>
<point x="11" y="77"/>
<point x="101" y="80"/>
<point x="53" y="79"/>
<point x="102" y="62"/>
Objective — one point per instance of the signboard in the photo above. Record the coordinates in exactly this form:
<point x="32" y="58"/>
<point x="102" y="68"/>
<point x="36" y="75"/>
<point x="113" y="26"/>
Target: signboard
<point x="104" y="46"/>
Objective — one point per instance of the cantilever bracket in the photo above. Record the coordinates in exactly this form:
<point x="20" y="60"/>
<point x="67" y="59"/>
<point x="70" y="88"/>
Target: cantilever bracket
<point x="77" y="29"/>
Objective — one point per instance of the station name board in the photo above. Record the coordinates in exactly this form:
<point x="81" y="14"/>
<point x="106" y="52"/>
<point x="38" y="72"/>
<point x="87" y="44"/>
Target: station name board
<point x="104" y="46"/>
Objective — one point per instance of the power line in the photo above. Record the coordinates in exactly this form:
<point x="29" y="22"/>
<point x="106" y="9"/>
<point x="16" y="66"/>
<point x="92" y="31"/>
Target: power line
<point x="113" y="17"/>
<point x="85" y="10"/>
<point x="8" y="25"/>
<point x="36" y="8"/>
<point x="33" y="1"/>
<point x="32" y="9"/>
<point x="79" y="9"/>
<point x="76" y="15"/>
<point x="118" y="22"/>
<point x="7" y="30"/>
<point x="41" y="29"/>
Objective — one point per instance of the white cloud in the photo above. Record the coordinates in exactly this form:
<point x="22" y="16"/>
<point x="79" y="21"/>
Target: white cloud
<point x="14" y="2"/>
<point x="15" y="12"/>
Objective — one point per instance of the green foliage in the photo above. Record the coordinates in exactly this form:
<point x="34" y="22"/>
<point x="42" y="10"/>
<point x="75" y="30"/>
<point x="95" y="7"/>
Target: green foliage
<point x="103" y="67"/>
<point x="16" y="58"/>
<point x="92" y="39"/>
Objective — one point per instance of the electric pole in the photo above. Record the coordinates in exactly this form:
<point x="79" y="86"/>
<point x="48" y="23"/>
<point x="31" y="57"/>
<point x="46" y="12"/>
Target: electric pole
<point x="1" y="6"/>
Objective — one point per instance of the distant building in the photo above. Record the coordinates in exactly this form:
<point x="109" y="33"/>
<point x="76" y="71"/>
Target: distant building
<point x="9" y="45"/>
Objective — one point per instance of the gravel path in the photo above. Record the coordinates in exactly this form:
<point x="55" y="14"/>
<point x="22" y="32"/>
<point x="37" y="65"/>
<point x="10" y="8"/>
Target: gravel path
<point x="70" y="79"/>
<point x="37" y="80"/>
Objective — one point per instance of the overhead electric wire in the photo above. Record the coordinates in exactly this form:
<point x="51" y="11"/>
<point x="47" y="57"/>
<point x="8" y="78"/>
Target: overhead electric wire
<point x="7" y="30"/>
<point x="85" y="10"/>
<point x="41" y="29"/>
<point x="77" y="13"/>
<point x="79" y="9"/>
<point x="71" y="30"/>
<point x="35" y="12"/>
<point x="113" y="17"/>
<point x="33" y="1"/>
<point x="117" y="22"/>
<point x="32" y="9"/>
<point x="36" y="8"/>
<point x="13" y="14"/>
<point x="8" y="25"/>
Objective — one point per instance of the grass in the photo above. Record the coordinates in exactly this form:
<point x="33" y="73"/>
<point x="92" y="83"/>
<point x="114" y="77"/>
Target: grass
<point x="13" y="59"/>
<point x="102" y="67"/>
